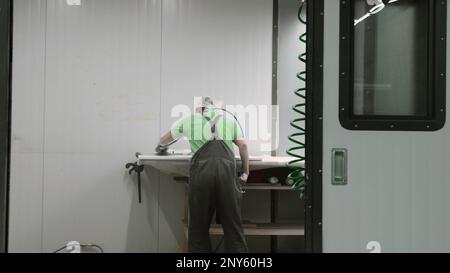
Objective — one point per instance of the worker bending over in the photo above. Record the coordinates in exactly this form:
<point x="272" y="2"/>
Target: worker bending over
<point x="214" y="185"/>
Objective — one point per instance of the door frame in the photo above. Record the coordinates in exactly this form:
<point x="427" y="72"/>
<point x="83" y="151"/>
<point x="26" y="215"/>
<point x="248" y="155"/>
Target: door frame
<point x="6" y="16"/>
<point x="314" y="125"/>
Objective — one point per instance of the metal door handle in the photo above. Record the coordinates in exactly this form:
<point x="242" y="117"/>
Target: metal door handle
<point x="339" y="167"/>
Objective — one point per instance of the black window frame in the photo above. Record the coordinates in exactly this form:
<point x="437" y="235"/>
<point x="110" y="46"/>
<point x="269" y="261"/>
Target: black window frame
<point x="436" y="117"/>
<point x="6" y="20"/>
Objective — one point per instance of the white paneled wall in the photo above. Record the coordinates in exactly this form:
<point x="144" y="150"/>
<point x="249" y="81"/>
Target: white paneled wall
<point x="217" y="48"/>
<point x="102" y="94"/>
<point x="28" y="98"/>
<point x="95" y="83"/>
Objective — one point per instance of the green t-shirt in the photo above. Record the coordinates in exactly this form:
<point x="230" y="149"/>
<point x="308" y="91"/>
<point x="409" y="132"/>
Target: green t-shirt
<point x="197" y="129"/>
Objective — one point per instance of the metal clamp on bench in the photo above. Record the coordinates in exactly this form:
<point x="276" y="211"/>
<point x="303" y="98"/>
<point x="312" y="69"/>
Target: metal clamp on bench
<point x="136" y="167"/>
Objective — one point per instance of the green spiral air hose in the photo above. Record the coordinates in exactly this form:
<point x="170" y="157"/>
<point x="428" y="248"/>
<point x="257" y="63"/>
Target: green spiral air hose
<point x="297" y="152"/>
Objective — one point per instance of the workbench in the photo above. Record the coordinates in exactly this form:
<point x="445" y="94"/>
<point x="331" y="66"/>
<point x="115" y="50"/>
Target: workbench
<point x="177" y="166"/>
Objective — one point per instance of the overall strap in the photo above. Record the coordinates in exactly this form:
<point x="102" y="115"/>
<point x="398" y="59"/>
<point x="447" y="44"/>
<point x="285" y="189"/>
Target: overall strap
<point x="213" y="123"/>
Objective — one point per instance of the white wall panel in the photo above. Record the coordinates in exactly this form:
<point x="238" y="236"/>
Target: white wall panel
<point x="25" y="207"/>
<point x="28" y="83"/>
<point x="102" y="105"/>
<point x="86" y="93"/>
<point x="216" y="48"/>
<point x="103" y="76"/>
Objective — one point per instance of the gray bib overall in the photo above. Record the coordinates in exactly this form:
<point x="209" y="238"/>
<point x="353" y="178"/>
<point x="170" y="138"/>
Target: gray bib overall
<point x="213" y="187"/>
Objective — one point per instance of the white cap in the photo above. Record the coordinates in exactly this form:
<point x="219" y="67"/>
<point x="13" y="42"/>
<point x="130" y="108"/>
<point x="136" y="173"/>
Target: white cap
<point x="204" y="102"/>
<point x="207" y="102"/>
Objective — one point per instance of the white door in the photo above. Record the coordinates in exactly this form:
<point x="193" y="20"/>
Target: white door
<point x="395" y="195"/>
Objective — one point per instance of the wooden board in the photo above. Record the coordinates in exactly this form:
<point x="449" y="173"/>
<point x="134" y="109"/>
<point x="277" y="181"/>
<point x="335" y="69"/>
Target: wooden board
<point x="178" y="165"/>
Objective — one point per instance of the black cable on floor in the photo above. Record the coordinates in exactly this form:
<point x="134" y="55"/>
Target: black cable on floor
<point x="85" y="246"/>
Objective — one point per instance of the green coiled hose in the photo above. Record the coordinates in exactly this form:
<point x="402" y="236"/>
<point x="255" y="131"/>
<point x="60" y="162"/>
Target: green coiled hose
<point x="297" y="151"/>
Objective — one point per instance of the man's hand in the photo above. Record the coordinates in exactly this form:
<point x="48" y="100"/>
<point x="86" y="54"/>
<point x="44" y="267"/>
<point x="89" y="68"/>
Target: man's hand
<point x="161" y="150"/>
<point x="163" y="144"/>
<point x="243" y="178"/>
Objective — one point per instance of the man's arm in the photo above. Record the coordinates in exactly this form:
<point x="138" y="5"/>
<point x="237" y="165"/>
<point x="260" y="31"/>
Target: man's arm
<point x="243" y="151"/>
